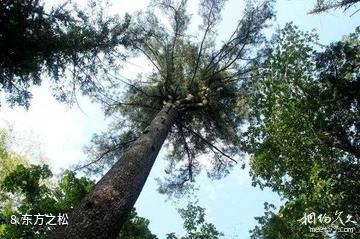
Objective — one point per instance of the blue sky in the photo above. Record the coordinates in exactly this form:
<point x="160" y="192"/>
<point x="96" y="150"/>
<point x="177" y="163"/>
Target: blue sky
<point x="61" y="131"/>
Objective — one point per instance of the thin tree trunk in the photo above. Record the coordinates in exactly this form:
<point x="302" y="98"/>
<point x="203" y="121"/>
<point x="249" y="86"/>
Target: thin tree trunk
<point x="104" y="210"/>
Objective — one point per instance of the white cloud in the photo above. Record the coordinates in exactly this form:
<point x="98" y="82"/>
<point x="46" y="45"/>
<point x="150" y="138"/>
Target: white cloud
<point x="61" y="131"/>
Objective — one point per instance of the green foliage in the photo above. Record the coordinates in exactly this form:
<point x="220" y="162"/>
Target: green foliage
<point x="8" y="160"/>
<point x="29" y="189"/>
<point x="325" y="5"/>
<point x="36" y="195"/>
<point x="195" y="224"/>
<point x="304" y="128"/>
<point x="28" y="182"/>
<point x="283" y="224"/>
<point x="136" y="228"/>
<point x="33" y="42"/>
<point x="202" y="82"/>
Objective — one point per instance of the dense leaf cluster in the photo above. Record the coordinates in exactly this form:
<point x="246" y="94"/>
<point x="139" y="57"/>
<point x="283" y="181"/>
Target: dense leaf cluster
<point x="34" y="41"/>
<point x="304" y="129"/>
<point x="29" y="189"/>
<point x="196" y="225"/>
<point x="35" y="194"/>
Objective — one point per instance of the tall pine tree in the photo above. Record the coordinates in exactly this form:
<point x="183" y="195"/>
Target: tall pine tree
<point x="194" y="100"/>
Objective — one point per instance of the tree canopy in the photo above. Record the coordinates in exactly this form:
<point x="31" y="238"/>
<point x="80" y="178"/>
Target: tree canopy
<point x="34" y="197"/>
<point x="304" y="129"/>
<point x="65" y="42"/>
<point x="293" y="106"/>
<point x="203" y="82"/>
<point x="196" y="225"/>
<point x="27" y="189"/>
<point x="9" y="160"/>
<point x="193" y="100"/>
<point x="325" y="5"/>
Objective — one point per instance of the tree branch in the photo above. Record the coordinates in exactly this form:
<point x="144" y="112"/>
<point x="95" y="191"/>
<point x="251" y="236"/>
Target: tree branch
<point x="118" y="146"/>
<point x="149" y="58"/>
<point x="208" y="143"/>
<point x="202" y="45"/>
<point x="189" y="155"/>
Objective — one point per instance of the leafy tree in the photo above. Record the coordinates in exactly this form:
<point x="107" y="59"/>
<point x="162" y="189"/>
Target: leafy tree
<point x="304" y="130"/>
<point x="62" y="42"/>
<point x="195" y="224"/>
<point x="35" y="197"/>
<point x="8" y="160"/>
<point x="136" y="228"/>
<point x="325" y="5"/>
<point x="272" y="225"/>
<point x="286" y="222"/>
<point x="193" y="99"/>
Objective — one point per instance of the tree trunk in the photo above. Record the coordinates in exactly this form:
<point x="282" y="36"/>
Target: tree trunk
<point x="103" y="211"/>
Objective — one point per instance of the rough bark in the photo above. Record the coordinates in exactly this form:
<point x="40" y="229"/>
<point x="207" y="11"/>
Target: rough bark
<point x="104" y="210"/>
